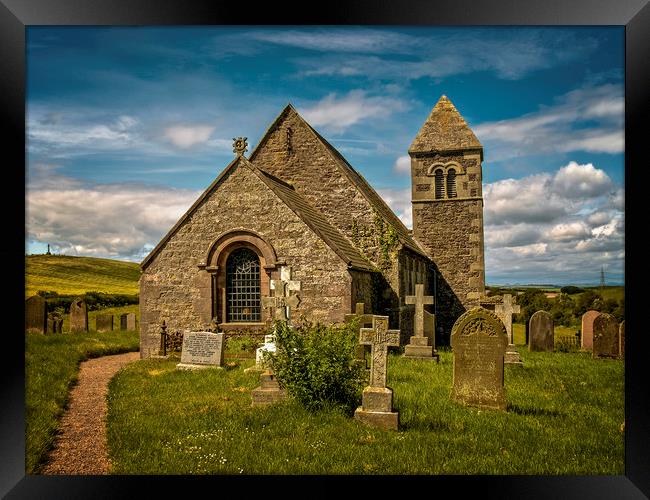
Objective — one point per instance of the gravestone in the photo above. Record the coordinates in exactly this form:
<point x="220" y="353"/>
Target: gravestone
<point x="418" y="346"/>
<point x="104" y="322"/>
<point x="365" y="320"/>
<point x="588" y="329"/>
<point x="54" y="323"/>
<point x="202" y="350"/>
<point x="541" y="336"/>
<point x="478" y="341"/>
<point x="621" y="339"/>
<point x="78" y="316"/>
<point x="377" y="400"/>
<point x="127" y="322"/>
<point x="268" y="346"/>
<point x="269" y="391"/>
<point x="35" y="315"/>
<point x="505" y="311"/>
<point x="605" y="344"/>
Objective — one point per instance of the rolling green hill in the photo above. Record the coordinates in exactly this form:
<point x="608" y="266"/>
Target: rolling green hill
<point x="68" y="275"/>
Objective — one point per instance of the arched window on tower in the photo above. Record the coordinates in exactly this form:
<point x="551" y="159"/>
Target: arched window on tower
<point x="439" y="187"/>
<point x="243" y="287"/>
<point x="451" y="183"/>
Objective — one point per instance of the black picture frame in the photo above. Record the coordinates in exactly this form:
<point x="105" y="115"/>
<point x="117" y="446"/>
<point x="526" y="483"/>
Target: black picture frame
<point x="16" y="15"/>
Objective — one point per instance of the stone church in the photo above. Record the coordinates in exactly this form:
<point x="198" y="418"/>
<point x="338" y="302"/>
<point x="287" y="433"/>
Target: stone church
<point x="295" y="205"/>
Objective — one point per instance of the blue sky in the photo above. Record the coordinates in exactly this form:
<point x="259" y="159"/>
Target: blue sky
<point x="126" y="126"/>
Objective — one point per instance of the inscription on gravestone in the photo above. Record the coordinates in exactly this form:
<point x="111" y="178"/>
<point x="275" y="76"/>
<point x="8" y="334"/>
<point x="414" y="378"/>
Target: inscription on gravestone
<point x="78" y="316"/>
<point x="202" y="350"/>
<point x="478" y="340"/>
<point x="35" y="315"/>
<point x="588" y="329"/>
<point x="605" y="337"/>
<point x="541" y="332"/>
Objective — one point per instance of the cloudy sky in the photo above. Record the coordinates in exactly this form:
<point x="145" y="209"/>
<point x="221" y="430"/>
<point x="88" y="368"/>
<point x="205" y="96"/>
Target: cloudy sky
<point x="127" y="126"/>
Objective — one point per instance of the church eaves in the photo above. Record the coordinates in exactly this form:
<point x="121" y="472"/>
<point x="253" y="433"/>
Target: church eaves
<point x="444" y="130"/>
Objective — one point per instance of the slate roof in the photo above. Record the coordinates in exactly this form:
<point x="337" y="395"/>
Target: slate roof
<point x="287" y="194"/>
<point x="444" y="130"/>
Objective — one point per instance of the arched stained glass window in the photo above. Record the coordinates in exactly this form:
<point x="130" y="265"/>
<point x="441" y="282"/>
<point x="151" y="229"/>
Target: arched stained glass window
<point x="439" y="184"/>
<point x="243" y="287"/>
<point x="451" y="183"/>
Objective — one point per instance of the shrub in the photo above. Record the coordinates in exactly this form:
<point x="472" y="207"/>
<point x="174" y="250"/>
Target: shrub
<point x="316" y="365"/>
<point x="571" y="290"/>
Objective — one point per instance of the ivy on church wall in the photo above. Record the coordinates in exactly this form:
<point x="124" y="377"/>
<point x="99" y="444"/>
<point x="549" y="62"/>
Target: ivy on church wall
<point x="380" y="239"/>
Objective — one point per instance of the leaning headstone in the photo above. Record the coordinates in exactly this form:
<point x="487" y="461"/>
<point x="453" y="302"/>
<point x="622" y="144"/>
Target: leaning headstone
<point x="418" y="346"/>
<point x="621" y="339"/>
<point x="35" y="315"/>
<point x="104" y="322"/>
<point x="377" y="400"/>
<point x="78" y="316"/>
<point x="588" y="329"/>
<point x="541" y="336"/>
<point x="605" y="337"/>
<point x="478" y="341"/>
<point x="202" y="350"/>
<point x="505" y="311"/>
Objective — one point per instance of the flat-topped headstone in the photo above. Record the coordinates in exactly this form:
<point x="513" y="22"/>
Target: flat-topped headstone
<point x="78" y="316"/>
<point x="202" y="350"/>
<point x="127" y="322"/>
<point x="377" y="400"/>
<point x="104" y="322"/>
<point x="621" y="339"/>
<point x="504" y="311"/>
<point x="35" y="315"/>
<point x="418" y="346"/>
<point x="478" y="341"/>
<point x="587" y="338"/>
<point x="541" y="332"/>
<point x="605" y="343"/>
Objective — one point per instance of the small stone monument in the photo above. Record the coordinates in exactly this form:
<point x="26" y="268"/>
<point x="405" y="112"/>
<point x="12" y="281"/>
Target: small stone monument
<point x="78" y="316"/>
<point x="605" y="343"/>
<point x="377" y="400"/>
<point x="504" y="311"/>
<point x="365" y="320"/>
<point x="541" y="336"/>
<point x="104" y="322"/>
<point x="621" y="339"/>
<point x="202" y="350"/>
<point x="127" y="322"/>
<point x="478" y="341"/>
<point x="588" y="329"/>
<point x="418" y="346"/>
<point x="269" y="390"/>
<point x="35" y="315"/>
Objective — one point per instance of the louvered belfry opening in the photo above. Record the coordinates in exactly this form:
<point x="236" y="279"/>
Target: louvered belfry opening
<point x="439" y="184"/>
<point x="243" y="287"/>
<point x="451" y="183"/>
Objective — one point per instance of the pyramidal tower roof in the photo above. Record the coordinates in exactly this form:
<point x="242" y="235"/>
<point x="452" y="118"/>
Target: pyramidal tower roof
<point x="444" y="130"/>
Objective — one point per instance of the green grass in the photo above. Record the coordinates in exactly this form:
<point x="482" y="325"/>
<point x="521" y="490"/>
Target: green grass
<point x="564" y="417"/>
<point x="68" y="275"/>
<point x="519" y="332"/>
<point x="51" y="369"/>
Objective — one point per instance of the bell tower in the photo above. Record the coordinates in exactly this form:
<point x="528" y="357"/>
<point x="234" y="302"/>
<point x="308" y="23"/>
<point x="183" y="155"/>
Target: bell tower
<point x="447" y="201"/>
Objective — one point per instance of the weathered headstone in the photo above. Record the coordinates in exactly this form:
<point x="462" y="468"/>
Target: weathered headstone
<point x="202" y="350"/>
<point x="269" y="391"/>
<point x="588" y="329"/>
<point x="78" y="316"/>
<point x="377" y="400"/>
<point x="104" y="322"/>
<point x="505" y="311"/>
<point x="542" y="330"/>
<point x="621" y="339"/>
<point x="605" y="343"/>
<point x="418" y="346"/>
<point x="127" y="322"/>
<point x="35" y="315"/>
<point x="478" y="341"/>
<point x="365" y="320"/>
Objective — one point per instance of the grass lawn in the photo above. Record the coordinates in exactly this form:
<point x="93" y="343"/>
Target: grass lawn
<point x="51" y="368"/>
<point x="565" y="416"/>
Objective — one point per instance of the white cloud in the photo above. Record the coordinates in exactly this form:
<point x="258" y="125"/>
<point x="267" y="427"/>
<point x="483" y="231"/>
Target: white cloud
<point x="568" y="231"/>
<point x="339" y="113"/>
<point x="186" y="136"/>
<point x="584" y="181"/>
<point x="399" y="200"/>
<point x="402" y="165"/>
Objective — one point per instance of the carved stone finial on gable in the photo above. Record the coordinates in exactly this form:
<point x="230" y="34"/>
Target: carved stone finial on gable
<point x="239" y="145"/>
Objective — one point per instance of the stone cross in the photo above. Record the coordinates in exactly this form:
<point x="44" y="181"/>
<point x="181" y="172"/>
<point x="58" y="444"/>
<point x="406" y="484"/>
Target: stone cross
<point x="379" y="337"/>
<point x="283" y="301"/>
<point x="419" y="299"/>
<point x="505" y="311"/>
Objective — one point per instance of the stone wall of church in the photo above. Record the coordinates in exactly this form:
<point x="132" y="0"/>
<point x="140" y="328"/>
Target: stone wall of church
<point x="413" y="268"/>
<point x="174" y="289"/>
